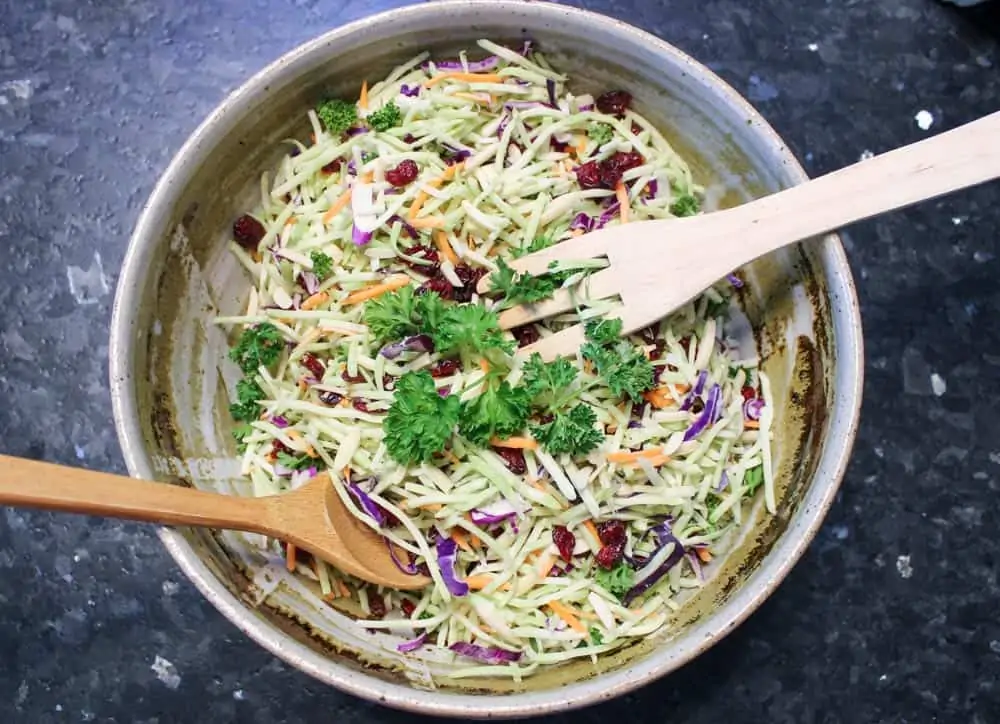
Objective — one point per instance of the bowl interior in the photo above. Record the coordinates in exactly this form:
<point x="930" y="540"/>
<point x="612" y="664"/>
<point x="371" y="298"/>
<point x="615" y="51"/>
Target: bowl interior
<point x="170" y="379"/>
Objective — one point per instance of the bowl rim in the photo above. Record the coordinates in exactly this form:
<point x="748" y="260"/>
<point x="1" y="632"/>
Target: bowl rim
<point x="773" y="569"/>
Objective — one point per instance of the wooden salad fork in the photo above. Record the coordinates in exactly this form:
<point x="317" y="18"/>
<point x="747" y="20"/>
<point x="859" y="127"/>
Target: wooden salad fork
<point x="312" y="517"/>
<point x="658" y="266"/>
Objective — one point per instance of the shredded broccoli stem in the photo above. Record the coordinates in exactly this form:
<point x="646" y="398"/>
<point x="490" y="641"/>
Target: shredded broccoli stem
<point x="514" y="191"/>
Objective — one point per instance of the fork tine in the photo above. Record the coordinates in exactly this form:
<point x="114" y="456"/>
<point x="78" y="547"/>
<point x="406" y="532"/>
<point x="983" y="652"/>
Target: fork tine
<point x="583" y="247"/>
<point x="560" y="344"/>
<point x="597" y="286"/>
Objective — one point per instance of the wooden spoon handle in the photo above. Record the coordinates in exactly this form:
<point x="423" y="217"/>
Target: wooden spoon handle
<point x="54" y="487"/>
<point x="957" y="159"/>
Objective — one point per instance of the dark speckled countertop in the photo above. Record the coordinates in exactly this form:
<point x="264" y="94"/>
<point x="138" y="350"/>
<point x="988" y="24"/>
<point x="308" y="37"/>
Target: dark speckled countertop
<point x="892" y="616"/>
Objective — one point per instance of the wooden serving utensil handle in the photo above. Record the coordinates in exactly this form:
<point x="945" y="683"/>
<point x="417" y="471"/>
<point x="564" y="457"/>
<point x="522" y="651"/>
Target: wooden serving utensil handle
<point x="33" y="484"/>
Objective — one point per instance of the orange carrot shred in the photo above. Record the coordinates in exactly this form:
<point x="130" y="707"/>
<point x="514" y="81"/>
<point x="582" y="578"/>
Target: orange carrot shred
<point x="344" y="590"/>
<point x="622" y="195"/>
<point x="751" y="424"/>
<point x="363" y="98"/>
<point x="441" y="242"/>
<point x="515" y="443"/>
<point x="290" y="557"/>
<point x="397" y="281"/>
<point x="484" y="366"/>
<point x="592" y="529"/>
<point x="465" y="78"/>
<point x="315" y="300"/>
<point x="626" y="456"/>
<point x="462" y="539"/>
<point x="704" y="555"/>
<point x="337" y="206"/>
<point x="566" y="614"/>
<point x="427" y="222"/>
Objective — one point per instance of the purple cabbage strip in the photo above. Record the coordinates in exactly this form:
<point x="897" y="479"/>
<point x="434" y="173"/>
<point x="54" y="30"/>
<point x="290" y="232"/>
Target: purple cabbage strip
<point x="367" y="504"/>
<point x="511" y="105"/>
<point x="279" y="421"/>
<point x="359" y="237"/>
<point x="486" y="654"/>
<point x="410" y="231"/>
<point x="504" y="122"/>
<point x="752" y="408"/>
<point x="550" y="86"/>
<point x="409" y="91"/>
<point x="356" y="131"/>
<point x="447" y="550"/>
<point x="480" y="517"/>
<point x="309" y="282"/>
<point x="665" y="537"/>
<point x="653" y="187"/>
<point x="410" y="569"/>
<point x="413" y="644"/>
<point x="475" y="66"/>
<point x="583" y="222"/>
<point x="281" y="471"/>
<point x="707" y="416"/>
<point x="607" y="216"/>
<point x="444" y="391"/>
<point x="586" y="107"/>
<point x="735" y="281"/>
<point x="416" y="343"/>
<point x="723" y="482"/>
<point x="699" y="387"/>
<point x="695" y="565"/>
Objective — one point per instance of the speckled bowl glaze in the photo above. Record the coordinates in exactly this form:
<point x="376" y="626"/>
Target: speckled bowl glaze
<point x="169" y="375"/>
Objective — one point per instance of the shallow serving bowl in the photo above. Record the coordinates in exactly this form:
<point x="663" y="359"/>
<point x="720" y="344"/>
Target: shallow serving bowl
<point x="169" y="381"/>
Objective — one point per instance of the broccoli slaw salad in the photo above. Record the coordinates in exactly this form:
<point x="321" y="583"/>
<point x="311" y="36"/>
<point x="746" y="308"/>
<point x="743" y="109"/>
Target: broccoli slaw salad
<point x="561" y="509"/>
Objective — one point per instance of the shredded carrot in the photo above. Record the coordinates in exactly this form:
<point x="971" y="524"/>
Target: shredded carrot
<point x="484" y="98"/>
<point x="367" y="177"/>
<point x="682" y="388"/>
<point x="659" y="460"/>
<point x="751" y="424"/>
<point x="476" y="542"/>
<point x="658" y="398"/>
<point x="421" y="196"/>
<point x="580" y="146"/>
<point x="291" y="221"/>
<point x="428" y="222"/>
<point x="344" y="590"/>
<point x="397" y="281"/>
<point x="452" y="457"/>
<point x="704" y="554"/>
<point x="363" y="97"/>
<point x="450" y="172"/>
<point x="418" y="203"/>
<point x="479" y="581"/>
<point x="346" y="473"/>
<point x="517" y="443"/>
<point x="315" y="300"/>
<point x="331" y="596"/>
<point x="622" y="195"/>
<point x="592" y="529"/>
<point x="461" y="538"/>
<point x="566" y="614"/>
<point x="441" y="242"/>
<point x="432" y="507"/>
<point x="337" y="206"/>
<point x="465" y="78"/>
<point x="303" y="385"/>
<point x="290" y="557"/>
<point x="494" y="250"/>
<point x="545" y="563"/>
<point x="484" y="366"/>
<point x="626" y="456"/>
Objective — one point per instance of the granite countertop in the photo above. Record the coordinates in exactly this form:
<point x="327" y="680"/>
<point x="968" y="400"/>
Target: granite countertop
<point x="890" y="617"/>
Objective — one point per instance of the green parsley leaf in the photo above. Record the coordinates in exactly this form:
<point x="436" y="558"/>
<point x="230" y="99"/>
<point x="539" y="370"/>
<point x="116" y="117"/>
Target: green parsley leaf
<point x="392" y="316"/>
<point x="623" y="367"/>
<point x="596" y="637"/>
<point x="386" y="117"/>
<point x="322" y="264"/>
<point x="685" y="205"/>
<point x="240" y="434"/>
<point x="296" y="462"/>
<point x="618" y="581"/>
<point x="420" y="421"/>
<point x="521" y="288"/>
<point x="260" y="346"/>
<point x="753" y="479"/>
<point x="600" y="133"/>
<point x="337" y="115"/>
<point x="536" y="244"/>
<point x="548" y="377"/>
<point x="501" y="411"/>
<point x="469" y="327"/>
<point x="248" y="394"/>
<point x="604" y="331"/>
<point x="572" y="432"/>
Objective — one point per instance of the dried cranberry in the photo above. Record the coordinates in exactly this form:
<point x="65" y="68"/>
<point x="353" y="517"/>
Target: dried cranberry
<point x="611" y="532"/>
<point x="332" y="167"/>
<point x="408" y="607"/>
<point x="636" y="128"/>
<point x="614" y="103"/>
<point x="421" y="251"/>
<point x="409" y="138"/>
<point x="613" y="168"/>
<point x="352" y="379"/>
<point x="748" y="392"/>
<point x="588" y="175"/>
<point x="513" y="459"/>
<point x="360" y="404"/>
<point x="313" y="365"/>
<point x="388" y="382"/>
<point x="610" y="554"/>
<point x="376" y="604"/>
<point x="444" y="368"/>
<point x="685" y="344"/>
<point x="526" y="335"/>
<point x="330" y="398"/>
<point x="279" y="447"/>
<point x="248" y="232"/>
<point x="565" y="542"/>
<point x="405" y="173"/>
<point x="470" y="278"/>
<point x="439" y="285"/>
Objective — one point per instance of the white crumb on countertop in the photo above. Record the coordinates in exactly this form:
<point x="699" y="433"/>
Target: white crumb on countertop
<point x="166" y="672"/>
<point x="938" y="385"/>
<point x="904" y="567"/>
<point x="865" y="155"/>
<point x="924" y="120"/>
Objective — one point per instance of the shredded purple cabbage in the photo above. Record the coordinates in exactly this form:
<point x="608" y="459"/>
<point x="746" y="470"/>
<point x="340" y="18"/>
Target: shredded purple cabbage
<point x="309" y="282"/>
<point x="511" y="105"/>
<point x="723" y="482"/>
<point x="752" y="408"/>
<point x="356" y="131"/>
<point x="707" y="416"/>
<point x="486" y="654"/>
<point x="699" y="387"/>
<point x="409" y="569"/>
<point x="653" y="188"/>
<point x="359" y="237"/>
<point x="410" y="231"/>
<point x="665" y="537"/>
<point x="586" y="107"/>
<point x="735" y="281"/>
<point x="497" y="513"/>
<point x="367" y="504"/>
<point x="475" y="66"/>
<point x="413" y="644"/>
<point x="583" y="222"/>
<point x="607" y="216"/>
<point x="416" y="343"/>
<point x="279" y="421"/>
<point x="447" y="550"/>
<point x="695" y="564"/>
<point x="409" y="91"/>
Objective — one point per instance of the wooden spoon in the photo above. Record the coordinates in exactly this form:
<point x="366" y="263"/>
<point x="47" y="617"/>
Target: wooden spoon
<point x="657" y="266"/>
<point x="312" y="518"/>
